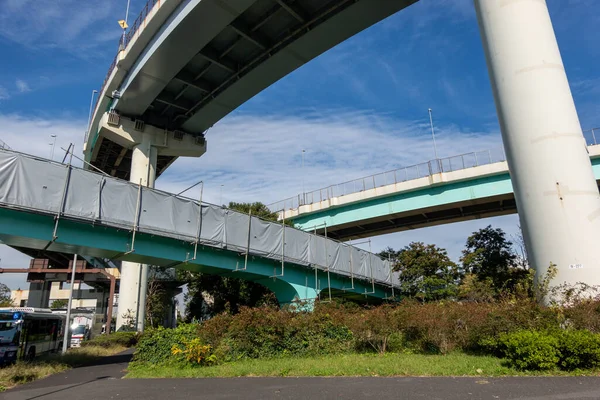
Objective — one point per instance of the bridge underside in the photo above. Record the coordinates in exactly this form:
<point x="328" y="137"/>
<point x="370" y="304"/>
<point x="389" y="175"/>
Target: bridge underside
<point x="449" y="213"/>
<point x="210" y="73"/>
<point x="115" y="159"/>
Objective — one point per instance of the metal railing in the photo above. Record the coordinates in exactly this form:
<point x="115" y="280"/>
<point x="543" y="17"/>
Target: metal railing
<point x="417" y="171"/>
<point x="124" y="41"/>
<point x="4" y="145"/>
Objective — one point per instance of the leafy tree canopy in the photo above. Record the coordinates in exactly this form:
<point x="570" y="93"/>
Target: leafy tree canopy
<point x="59" y="303"/>
<point x="426" y="271"/>
<point x="488" y="254"/>
<point x="5" y="297"/>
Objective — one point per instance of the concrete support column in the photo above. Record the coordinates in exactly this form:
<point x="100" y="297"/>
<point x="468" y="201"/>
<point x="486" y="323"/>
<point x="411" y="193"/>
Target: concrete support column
<point x="39" y="295"/>
<point x="134" y="276"/>
<point x="555" y="190"/>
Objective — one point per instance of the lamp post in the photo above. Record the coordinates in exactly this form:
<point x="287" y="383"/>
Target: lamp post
<point x="433" y="134"/>
<point x="69" y="306"/>
<point x="87" y="132"/>
<point x="52" y="144"/>
<point x="124" y="25"/>
<point x="221" y="196"/>
<point x="302" y="172"/>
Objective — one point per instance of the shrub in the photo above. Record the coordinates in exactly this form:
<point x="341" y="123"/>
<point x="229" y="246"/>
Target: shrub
<point x="374" y="327"/>
<point x="156" y="344"/>
<point x="195" y="352"/>
<point x="579" y="349"/>
<point x="440" y="327"/>
<point x="584" y="314"/>
<point x="213" y="331"/>
<point x="125" y="339"/>
<point x="267" y="331"/>
<point x="531" y="350"/>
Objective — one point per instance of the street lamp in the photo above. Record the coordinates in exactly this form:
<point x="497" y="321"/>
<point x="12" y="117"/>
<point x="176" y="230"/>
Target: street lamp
<point x="302" y="172"/>
<point x="123" y="24"/>
<point x="221" y="196"/>
<point x="87" y="132"/>
<point x="52" y="144"/>
<point x="433" y="134"/>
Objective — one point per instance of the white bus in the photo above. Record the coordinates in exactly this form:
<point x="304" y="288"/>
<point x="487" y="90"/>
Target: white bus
<point x="27" y="332"/>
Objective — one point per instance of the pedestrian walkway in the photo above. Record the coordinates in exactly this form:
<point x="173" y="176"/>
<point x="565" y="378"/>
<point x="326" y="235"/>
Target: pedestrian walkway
<point x="72" y="384"/>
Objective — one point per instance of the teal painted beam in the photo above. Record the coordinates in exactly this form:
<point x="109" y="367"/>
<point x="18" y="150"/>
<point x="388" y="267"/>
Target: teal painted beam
<point x="298" y="282"/>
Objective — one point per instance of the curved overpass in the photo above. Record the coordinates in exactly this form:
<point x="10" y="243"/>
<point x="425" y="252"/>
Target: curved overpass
<point x="454" y="189"/>
<point x="188" y="63"/>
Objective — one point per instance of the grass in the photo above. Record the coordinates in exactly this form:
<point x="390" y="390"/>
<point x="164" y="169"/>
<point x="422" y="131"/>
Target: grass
<point x="24" y="372"/>
<point x="456" y="364"/>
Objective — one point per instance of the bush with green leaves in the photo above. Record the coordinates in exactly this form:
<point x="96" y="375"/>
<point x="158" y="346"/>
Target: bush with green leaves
<point x="530" y="336"/>
<point x="125" y="339"/>
<point x="531" y="350"/>
<point x="156" y="344"/>
<point x="579" y="349"/>
<point x="267" y="332"/>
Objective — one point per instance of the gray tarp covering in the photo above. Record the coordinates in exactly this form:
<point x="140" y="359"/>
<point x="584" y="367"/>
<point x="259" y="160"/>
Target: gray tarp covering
<point x="36" y="184"/>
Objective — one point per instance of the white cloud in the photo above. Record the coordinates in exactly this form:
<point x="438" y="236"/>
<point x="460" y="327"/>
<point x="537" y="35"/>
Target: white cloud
<point x="33" y="134"/>
<point x="259" y="158"/>
<point x="69" y="25"/>
<point x="4" y="95"/>
<point x="22" y="86"/>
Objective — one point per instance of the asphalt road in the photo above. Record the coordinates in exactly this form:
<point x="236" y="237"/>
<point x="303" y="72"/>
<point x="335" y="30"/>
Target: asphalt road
<point x="104" y="382"/>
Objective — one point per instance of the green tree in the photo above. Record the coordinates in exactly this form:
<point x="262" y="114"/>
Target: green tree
<point x="258" y="210"/>
<point x="489" y="256"/>
<point x="59" y="303"/>
<point x="388" y="254"/>
<point x="5" y="297"/>
<point x="158" y="301"/>
<point x="227" y="293"/>
<point x="426" y="271"/>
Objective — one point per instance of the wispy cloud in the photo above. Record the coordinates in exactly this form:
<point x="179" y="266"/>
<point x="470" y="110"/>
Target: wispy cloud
<point x="70" y="25"/>
<point x="33" y="134"/>
<point x="258" y="158"/>
<point x="22" y="86"/>
<point x="586" y="87"/>
<point x="4" y="95"/>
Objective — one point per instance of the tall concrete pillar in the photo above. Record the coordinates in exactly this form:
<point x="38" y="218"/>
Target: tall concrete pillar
<point x="555" y="189"/>
<point x="39" y="295"/>
<point x="134" y="276"/>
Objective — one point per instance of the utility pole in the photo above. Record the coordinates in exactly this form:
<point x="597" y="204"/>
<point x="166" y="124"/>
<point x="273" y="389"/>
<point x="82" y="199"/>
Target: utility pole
<point x="52" y="144"/>
<point x="433" y="134"/>
<point x="124" y="26"/>
<point x="87" y="132"/>
<point x="302" y="172"/>
<point x="68" y="321"/>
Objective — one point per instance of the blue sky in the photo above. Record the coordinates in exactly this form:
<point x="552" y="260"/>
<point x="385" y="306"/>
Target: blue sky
<point x="358" y="109"/>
